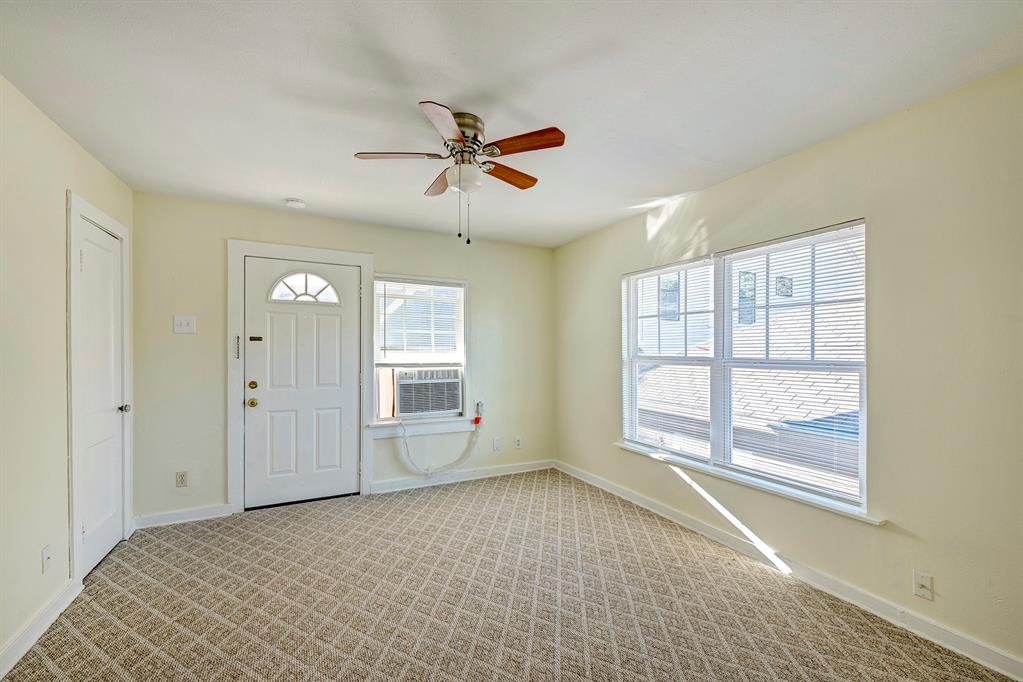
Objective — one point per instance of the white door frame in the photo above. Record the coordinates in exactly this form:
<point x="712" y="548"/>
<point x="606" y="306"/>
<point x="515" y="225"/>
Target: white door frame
<point x="78" y="207"/>
<point x="237" y="250"/>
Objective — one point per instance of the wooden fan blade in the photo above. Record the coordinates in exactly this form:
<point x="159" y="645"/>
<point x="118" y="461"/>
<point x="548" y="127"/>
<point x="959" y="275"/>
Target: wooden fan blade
<point x="439" y="186"/>
<point x="397" y="155"/>
<point x="527" y="142"/>
<point x="511" y="176"/>
<point x="442" y="119"/>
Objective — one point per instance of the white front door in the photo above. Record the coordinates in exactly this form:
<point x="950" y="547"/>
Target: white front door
<point x="301" y="375"/>
<point x="97" y="298"/>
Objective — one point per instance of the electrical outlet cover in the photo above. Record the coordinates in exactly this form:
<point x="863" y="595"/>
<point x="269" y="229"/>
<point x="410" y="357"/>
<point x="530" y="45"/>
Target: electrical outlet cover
<point x="181" y="479"/>
<point x="923" y="585"/>
<point x="184" y="324"/>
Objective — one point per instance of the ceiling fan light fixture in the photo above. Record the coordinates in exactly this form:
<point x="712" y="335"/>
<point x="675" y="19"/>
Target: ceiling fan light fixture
<point x="465" y="177"/>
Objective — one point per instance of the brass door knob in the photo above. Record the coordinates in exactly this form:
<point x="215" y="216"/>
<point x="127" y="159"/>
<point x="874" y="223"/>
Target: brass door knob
<point x="252" y="402"/>
<point x="253" y="384"/>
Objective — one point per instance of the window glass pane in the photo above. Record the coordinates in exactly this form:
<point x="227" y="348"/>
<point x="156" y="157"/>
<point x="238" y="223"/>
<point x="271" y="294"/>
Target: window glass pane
<point x="673" y="405"/>
<point x="790" y="276"/>
<point x="314" y="284"/>
<point x="839" y="269"/>
<point x="840" y="331"/>
<point x="647" y="296"/>
<point x="798" y="425"/>
<point x="327" y="295"/>
<point x="670" y="297"/>
<point x="647" y="330"/>
<point x="748" y="340"/>
<point x="673" y="339"/>
<point x="789" y="332"/>
<point x="700" y="335"/>
<point x="282" y="293"/>
<point x="700" y="289"/>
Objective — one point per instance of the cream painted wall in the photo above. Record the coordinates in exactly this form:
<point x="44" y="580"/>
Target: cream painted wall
<point x="180" y="265"/>
<point x="39" y="162"/>
<point x="940" y="187"/>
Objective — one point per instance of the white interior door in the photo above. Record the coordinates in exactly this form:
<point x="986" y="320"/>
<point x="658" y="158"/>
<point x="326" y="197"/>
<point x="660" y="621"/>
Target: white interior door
<point x="302" y="329"/>
<point x="97" y="357"/>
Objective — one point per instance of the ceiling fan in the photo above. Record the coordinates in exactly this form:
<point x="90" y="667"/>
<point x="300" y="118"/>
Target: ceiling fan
<point x="465" y="143"/>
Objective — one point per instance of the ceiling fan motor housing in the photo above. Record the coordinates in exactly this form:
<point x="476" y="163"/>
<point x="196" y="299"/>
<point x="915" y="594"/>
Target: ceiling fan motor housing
<point x="471" y="126"/>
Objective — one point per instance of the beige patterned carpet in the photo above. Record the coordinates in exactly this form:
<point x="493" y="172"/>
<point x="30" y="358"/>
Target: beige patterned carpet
<point x="535" y="576"/>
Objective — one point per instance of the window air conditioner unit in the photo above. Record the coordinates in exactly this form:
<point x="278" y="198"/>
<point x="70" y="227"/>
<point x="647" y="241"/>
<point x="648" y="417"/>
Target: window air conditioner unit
<point x="428" y="392"/>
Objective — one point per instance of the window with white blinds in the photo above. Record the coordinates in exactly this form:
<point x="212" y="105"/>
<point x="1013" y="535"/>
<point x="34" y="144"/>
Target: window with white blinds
<point x="670" y="344"/>
<point x="420" y="325"/>
<point x="419" y="322"/>
<point x="753" y="363"/>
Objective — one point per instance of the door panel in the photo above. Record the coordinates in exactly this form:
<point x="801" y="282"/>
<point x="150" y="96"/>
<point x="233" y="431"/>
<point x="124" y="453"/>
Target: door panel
<point x="301" y="436"/>
<point x="281" y="349"/>
<point x="328" y="351"/>
<point x="328" y="438"/>
<point x="97" y="383"/>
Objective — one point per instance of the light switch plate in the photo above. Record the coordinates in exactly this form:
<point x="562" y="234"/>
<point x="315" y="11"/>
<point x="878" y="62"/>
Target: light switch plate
<point x="184" y="324"/>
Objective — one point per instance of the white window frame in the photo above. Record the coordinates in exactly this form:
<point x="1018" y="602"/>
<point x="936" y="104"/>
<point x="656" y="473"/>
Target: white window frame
<point x="462" y="423"/>
<point x="721" y="366"/>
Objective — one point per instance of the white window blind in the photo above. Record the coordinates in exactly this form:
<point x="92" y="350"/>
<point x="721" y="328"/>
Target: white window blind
<point x="780" y="396"/>
<point x="419" y="322"/>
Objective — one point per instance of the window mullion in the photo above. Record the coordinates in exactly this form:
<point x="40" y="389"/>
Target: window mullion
<point x="767" y="305"/>
<point x="717" y="384"/>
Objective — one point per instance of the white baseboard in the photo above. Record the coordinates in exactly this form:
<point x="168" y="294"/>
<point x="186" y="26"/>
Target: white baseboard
<point x="24" y="640"/>
<point x="182" y="515"/>
<point x="391" y="485"/>
<point x="978" y="651"/>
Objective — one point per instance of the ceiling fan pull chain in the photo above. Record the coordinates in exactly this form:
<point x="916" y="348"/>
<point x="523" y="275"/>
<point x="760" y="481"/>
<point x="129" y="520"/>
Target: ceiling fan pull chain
<point x="459" y="202"/>
<point x="468" y="219"/>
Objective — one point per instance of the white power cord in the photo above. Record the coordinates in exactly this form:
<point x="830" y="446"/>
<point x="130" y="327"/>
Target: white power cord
<point x="469" y="449"/>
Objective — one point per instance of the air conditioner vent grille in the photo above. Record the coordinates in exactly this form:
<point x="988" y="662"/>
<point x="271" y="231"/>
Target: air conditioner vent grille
<point x="428" y="391"/>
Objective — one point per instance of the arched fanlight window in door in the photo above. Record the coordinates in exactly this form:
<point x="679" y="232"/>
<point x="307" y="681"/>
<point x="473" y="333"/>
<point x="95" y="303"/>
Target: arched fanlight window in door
<point x="303" y="287"/>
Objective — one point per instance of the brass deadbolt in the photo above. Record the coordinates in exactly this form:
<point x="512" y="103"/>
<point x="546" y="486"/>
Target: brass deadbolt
<point x="252" y="402"/>
<point x="253" y="384"/>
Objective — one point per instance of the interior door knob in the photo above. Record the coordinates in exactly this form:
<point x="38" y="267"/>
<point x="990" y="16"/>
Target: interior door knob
<point x="252" y="402"/>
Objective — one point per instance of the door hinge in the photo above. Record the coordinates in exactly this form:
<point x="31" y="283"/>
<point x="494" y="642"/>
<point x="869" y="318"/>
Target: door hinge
<point x="237" y="348"/>
<point x="81" y="260"/>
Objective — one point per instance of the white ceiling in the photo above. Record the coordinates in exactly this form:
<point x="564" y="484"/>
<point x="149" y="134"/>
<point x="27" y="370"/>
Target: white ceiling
<point x="258" y="101"/>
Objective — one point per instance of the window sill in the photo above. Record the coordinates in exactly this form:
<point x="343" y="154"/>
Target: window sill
<point x="421" y="427"/>
<point x="819" y="501"/>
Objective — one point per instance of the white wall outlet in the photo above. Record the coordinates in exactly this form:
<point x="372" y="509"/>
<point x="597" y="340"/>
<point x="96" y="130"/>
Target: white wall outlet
<point x="497" y="444"/>
<point x="923" y="585"/>
<point x="518" y="442"/>
<point x="184" y="324"/>
<point x="181" y="479"/>
<point x="47" y="558"/>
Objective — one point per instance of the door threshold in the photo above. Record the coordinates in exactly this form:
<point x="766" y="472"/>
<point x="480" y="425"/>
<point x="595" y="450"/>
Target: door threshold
<point x="311" y="499"/>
